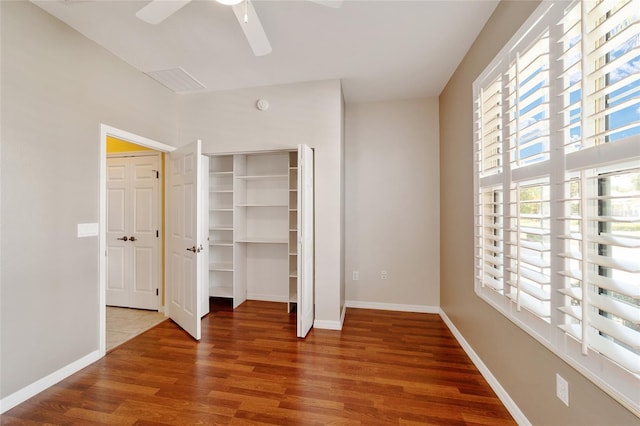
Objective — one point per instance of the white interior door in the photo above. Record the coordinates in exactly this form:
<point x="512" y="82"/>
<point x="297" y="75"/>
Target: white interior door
<point x="204" y="236"/>
<point x="184" y="211"/>
<point x="306" y="274"/>
<point x="133" y="244"/>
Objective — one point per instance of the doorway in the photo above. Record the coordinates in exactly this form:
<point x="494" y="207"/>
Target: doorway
<point x="133" y="226"/>
<point x="142" y="143"/>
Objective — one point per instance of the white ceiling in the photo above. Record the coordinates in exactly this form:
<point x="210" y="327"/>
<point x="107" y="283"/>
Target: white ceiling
<point x="380" y="50"/>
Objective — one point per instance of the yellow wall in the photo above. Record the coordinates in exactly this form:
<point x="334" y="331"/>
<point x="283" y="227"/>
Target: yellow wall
<point x="117" y="145"/>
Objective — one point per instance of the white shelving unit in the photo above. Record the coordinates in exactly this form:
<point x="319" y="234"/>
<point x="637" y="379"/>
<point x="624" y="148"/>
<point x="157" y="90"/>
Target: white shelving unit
<point x="253" y="212"/>
<point x="221" y="229"/>
<point x="293" y="231"/>
<point x="261" y="224"/>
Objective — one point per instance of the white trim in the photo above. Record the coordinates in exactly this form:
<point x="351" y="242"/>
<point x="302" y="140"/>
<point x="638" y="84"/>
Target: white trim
<point x="502" y="394"/>
<point x="133" y="154"/>
<point x="38" y="386"/>
<point x="331" y="325"/>
<point x="425" y="309"/>
<point x="327" y="325"/>
<point x="105" y="131"/>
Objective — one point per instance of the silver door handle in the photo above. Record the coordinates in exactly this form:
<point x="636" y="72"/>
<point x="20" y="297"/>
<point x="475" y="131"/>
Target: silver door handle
<point x="193" y="249"/>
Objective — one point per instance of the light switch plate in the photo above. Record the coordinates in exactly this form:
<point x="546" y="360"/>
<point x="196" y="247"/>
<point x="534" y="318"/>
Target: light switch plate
<point x="87" y="230"/>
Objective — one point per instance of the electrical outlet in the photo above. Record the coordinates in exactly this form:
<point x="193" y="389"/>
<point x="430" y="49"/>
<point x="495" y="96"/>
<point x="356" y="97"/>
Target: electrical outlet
<point x="562" y="389"/>
<point x="355" y="275"/>
<point x="383" y="275"/>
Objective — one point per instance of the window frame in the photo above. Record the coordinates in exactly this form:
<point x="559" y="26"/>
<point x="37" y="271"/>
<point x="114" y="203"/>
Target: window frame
<point x="618" y="382"/>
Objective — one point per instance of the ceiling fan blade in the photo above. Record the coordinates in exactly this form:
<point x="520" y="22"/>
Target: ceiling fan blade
<point x="252" y="28"/>
<point x="329" y="3"/>
<point x="159" y="10"/>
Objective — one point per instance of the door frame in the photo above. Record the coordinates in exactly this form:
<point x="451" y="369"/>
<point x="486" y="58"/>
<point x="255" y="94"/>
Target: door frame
<point x="105" y="131"/>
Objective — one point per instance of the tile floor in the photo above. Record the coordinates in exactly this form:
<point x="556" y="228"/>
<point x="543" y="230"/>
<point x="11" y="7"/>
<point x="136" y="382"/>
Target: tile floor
<point x="124" y="324"/>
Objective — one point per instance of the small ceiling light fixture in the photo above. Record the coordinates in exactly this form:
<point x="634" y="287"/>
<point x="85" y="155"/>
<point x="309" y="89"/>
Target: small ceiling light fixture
<point x="229" y="2"/>
<point x="262" y="104"/>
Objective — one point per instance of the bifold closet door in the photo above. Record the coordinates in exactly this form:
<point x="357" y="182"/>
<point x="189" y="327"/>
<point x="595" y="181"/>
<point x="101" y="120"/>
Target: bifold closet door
<point x="204" y="235"/>
<point x="305" y="294"/>
<point x="184" y="243"/>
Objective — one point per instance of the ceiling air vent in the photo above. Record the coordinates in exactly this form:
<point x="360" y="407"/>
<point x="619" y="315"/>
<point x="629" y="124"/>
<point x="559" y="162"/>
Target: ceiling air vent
<point x="176" y="79"/>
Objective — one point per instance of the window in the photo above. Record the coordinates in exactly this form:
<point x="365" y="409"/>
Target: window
<point x="557" y="184"/>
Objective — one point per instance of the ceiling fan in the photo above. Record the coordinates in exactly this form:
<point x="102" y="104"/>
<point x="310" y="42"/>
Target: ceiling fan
<point x="158" y="10"/>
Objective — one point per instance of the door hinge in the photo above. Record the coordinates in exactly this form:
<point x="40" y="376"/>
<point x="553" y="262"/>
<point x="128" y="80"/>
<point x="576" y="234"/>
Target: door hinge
<point x="157" y="293"/>
<point x="157" y="174"/>
<point x="157" y="234"/>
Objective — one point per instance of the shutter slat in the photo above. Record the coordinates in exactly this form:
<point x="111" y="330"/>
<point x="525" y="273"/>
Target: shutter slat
<point x="616" y="307"/>
<point x="573" y="292"/>
<point x="533" y="305"/>
<point x="614" y="351"/>
<point x="573" y="311"/>
<point x="572" y="273"/>
<point x="620" y="264"/>
<point x="627" y="288"/>
<point x="615" y="240"/>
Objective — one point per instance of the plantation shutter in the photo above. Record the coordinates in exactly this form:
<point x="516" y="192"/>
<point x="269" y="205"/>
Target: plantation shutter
<point x="601" y="221"/>
<point x="529" y="247"/>
<point x="557" y="187"/>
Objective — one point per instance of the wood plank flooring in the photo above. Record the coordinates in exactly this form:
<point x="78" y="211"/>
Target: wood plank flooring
<point x="249" y="368"/>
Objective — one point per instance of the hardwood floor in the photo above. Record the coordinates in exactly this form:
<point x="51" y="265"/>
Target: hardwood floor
<point x="249" y="368"/>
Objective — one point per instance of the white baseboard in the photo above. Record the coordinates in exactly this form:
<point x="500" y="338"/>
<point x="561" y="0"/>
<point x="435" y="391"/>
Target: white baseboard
<point x="327" y="325"/>
<point x="502" y="394"/>
<point x="393" y="307"/>
<point x="38" y="386"/>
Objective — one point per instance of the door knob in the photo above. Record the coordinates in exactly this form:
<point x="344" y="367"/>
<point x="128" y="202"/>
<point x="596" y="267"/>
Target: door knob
<point x="132" y="238"/>
<point x="125" y="238"/>
<point x="193" y="249"/>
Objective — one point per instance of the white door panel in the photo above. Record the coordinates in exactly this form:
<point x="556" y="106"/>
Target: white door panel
<point x="204" y="236"/>
<point x="305" y="296"/>
<point x="183" y="247"/>
<point x="133" y="213"/>
<point x="116" y="268"/>
<point x="116" y="200"/>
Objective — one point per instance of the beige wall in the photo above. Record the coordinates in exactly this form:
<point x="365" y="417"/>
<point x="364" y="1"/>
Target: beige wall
<point x="392" y="197"/>
<point x="57" y="88"/>
<point x="309" y="113"/>
<point x="502" y="346"/>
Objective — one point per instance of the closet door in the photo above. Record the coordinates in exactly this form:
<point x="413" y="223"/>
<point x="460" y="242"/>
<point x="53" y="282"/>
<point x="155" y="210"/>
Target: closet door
<point x="184" y="245"/>
<point x="305" y="299"/>
<point x="204" y="235"/>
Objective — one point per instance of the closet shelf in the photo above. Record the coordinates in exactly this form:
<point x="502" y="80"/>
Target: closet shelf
<point x="220" y="291"/>
<point x="262" y="177"/>
<point x="221" y="243"/>
<point x="221" y="266"/>
<point x="262" y="205"/>
<point x="263" y="240"/>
